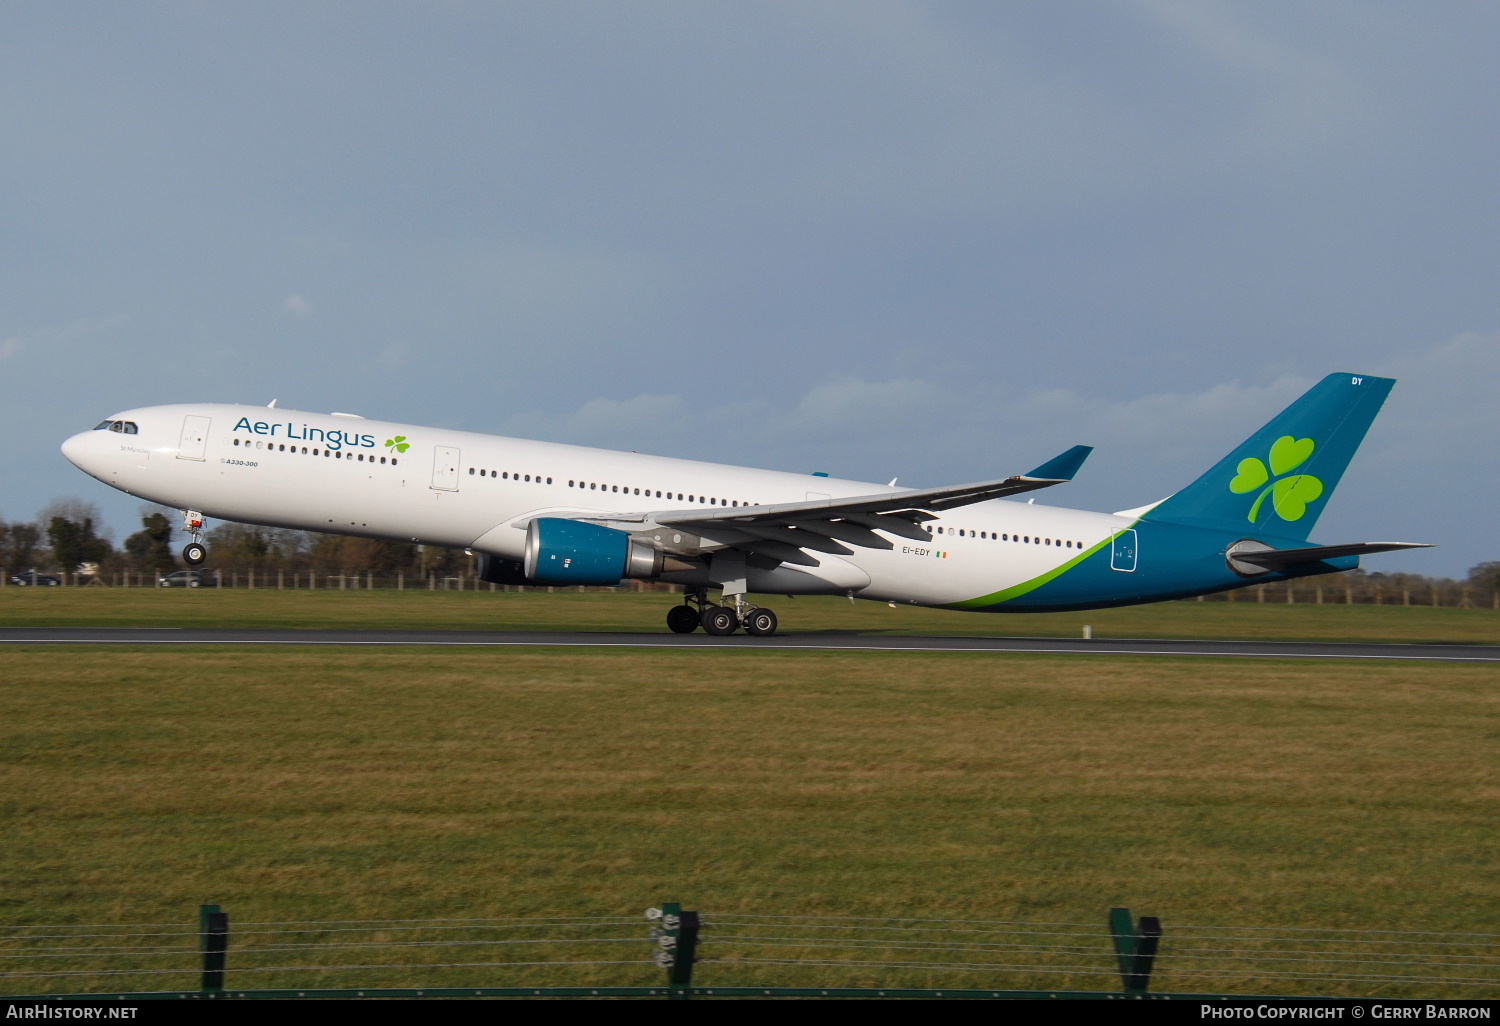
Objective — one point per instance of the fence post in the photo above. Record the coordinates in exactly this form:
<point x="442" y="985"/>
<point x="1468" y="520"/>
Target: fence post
<point x="1135" y="948"/>
<point x="677" y="939"/>
<point x="213" y="944"/>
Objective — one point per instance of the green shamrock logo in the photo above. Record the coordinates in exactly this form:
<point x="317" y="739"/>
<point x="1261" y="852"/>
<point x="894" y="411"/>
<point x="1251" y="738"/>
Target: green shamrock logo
<point x="1289" y="495"/>
<point x="399" y="443"/>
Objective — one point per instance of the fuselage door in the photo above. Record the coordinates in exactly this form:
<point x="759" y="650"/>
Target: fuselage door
<point x="1122" y="556"/>
<point x="445" y="468"/>
<point x="194" y="441"/>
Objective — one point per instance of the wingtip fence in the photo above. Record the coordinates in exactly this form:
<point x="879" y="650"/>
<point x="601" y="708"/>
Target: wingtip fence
<point x="755" y="955"/>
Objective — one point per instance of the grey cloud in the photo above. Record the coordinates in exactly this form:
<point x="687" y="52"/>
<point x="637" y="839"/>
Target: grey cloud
<point x="936" y="239"/>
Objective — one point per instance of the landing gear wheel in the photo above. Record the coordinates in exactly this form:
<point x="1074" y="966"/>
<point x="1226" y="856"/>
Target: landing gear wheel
<point x="193" y="554"/>
<point x="761" y="623"/>
<point x="683" y="619"/>
<point x="720" y="621"/>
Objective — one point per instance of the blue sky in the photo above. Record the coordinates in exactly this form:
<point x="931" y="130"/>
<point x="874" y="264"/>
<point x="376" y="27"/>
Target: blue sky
<point x="936" y="240"/>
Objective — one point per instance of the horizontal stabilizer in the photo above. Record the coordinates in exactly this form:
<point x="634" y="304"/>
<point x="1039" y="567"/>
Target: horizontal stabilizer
<point x="1280" y="559"/>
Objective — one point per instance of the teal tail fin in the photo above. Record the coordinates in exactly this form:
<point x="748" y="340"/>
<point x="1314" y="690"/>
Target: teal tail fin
<point x="1280" y="478"/>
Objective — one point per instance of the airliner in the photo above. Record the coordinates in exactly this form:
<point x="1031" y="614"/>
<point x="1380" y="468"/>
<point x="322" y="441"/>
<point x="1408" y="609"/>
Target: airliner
<point x="540" y="513"/>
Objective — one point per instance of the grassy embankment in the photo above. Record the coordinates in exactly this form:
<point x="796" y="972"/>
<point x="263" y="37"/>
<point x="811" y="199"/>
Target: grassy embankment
<point x="629" y="611"/>
<point x="301" y="784"/>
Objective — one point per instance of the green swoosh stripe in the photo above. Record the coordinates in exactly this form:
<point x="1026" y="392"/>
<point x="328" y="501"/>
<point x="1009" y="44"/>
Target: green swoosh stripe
<point x="1036" y="582"/>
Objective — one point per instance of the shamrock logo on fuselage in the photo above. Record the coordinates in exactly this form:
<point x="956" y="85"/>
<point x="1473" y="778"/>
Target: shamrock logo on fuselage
<point x="1289" y="495"/>
<point x="399" y="443"/>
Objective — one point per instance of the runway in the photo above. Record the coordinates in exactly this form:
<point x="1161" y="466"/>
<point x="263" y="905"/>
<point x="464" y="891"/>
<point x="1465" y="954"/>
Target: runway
<point x="833" y="641"/>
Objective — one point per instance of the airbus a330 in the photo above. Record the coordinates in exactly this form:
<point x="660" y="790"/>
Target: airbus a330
<point x="547" y="514"/>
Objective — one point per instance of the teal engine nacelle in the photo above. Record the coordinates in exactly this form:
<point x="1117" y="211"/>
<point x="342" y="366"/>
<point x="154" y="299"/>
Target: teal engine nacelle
<point x="562" y="551"/>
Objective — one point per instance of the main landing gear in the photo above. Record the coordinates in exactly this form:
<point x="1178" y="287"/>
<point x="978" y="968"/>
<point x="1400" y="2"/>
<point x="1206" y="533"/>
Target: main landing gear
<point x="194" y="552"/>
<point x="720" y="621"/>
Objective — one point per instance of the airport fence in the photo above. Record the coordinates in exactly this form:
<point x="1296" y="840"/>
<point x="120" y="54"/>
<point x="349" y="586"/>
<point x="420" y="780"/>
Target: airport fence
<point x="308" y="580"/>
<point x="1347" y="590"/>
<point x="679" y="953"/>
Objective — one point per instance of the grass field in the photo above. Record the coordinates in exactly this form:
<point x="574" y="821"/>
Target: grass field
<point x="629" y="611"/>
<point x="315" y="784"/>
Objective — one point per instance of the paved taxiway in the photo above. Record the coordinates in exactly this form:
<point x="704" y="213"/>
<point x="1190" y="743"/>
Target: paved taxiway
<point x="812" y="641"/>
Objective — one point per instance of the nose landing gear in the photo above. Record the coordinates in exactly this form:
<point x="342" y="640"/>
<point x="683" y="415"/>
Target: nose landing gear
<point x="720" y="621"/>
<point x="193" y="553"/>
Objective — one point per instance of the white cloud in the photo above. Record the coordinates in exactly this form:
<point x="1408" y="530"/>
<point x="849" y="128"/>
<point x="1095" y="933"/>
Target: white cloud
<point x="296" y="305"/>
<point x="644" y="423"/>
<point x="393" y="355"/>
<point x="1442" y="410"/>
<point x="1147" y="445"/>
<point x="58" y="336"/>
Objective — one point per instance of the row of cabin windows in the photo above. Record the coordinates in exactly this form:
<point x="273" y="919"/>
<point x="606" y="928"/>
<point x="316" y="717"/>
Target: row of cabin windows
<point x="595" y="486"/>
<point x="337" y="454"/>
<point x="1006" y="536"/>
<point x="709" y="500"/>
<point x="507" y="475"/>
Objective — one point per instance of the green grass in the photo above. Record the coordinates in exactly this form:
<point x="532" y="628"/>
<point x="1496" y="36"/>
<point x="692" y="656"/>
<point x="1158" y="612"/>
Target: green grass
<point x="630" y="611"/>
<point x="316" y="784"/>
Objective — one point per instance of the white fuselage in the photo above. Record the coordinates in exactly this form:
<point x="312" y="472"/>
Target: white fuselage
<point x="336" y="473"/>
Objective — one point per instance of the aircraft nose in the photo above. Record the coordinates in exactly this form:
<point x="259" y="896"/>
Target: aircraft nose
<point x="76" y="449"/>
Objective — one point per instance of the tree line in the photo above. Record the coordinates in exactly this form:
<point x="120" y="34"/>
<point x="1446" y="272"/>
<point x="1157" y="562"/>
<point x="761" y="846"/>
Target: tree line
<point x="67" y="536"/>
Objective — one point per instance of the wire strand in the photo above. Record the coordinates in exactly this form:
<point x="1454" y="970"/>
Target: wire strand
<point x="440" y="944"/>
<point x="321" y="968"/>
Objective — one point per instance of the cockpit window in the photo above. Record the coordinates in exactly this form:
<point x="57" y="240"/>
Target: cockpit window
<point x="105" y="425"/>
<point x="123" y="427"/>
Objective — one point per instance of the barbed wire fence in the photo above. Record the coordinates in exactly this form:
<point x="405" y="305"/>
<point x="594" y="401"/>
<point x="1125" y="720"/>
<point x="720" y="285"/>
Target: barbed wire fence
<point x="737" y="954"/>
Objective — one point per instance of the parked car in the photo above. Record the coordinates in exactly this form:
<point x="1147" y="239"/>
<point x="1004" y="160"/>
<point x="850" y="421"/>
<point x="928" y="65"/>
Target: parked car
<point x="188" y="579"/>
<point x="32" y="578"/>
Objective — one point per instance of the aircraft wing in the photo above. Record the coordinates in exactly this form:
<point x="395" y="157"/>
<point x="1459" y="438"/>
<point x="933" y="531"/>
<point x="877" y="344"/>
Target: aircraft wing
<point x="785" y="531"/>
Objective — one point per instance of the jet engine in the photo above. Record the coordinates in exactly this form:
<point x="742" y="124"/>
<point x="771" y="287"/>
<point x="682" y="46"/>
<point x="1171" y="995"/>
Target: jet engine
<point x="562" y="551"/>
